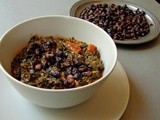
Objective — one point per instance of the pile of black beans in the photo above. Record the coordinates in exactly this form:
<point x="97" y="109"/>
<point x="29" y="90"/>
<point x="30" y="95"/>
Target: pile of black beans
<point x="120" y="22"/>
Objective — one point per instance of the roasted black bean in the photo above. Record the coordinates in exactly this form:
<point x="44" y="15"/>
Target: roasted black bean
<point x="65" y="54"/>
<point x="74" y="70"/>
<point x="78" y="76"/>
<point x="58" y="59"/>
<point x="32" y="46"/>
<point x="57" y="64"/>
<point x="69" y="70"/>
<point x="107" y="16"/>
<point x="66" y="64"/>
<point x="37" y="66"/>
<point x="87" y="73"/>
<point x="59" y="53"/>
<point x="38" y="51"/>
<point x="77" y="62"/>
<point x="50" y="45"/>
<point x="82" y="68"/>
<point x="55" y="74"/>
<point x="69" y="82"/>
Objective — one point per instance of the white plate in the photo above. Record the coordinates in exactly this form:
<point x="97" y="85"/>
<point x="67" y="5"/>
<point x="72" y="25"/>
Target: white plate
<point x="77" y="8"/>
<point x="109" y="103"/>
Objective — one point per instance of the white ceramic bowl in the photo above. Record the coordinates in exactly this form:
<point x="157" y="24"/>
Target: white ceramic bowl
<point x="17" y="37"/>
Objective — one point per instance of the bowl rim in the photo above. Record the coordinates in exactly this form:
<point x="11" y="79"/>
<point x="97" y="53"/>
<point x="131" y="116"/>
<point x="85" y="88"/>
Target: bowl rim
<point x="59" y="90"/>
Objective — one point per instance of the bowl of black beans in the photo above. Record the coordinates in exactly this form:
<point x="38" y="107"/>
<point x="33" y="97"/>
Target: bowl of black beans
<point x="125" y="22"/>
<point x="57" y="61"/>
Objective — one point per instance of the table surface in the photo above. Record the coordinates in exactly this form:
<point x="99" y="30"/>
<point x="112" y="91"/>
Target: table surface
<point x="140" y="62"/>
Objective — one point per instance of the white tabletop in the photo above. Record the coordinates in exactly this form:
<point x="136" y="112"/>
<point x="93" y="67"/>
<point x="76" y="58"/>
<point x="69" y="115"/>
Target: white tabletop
<point x="141" y="62"/>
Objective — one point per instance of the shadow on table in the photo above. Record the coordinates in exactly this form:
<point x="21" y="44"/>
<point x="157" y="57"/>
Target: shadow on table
<point x="137" y="105"/>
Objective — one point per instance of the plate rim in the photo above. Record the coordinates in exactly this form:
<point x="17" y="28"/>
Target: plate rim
<point x="57" y="113"/>
<point x="127" y="87"/>
<point x="145" y="39"/>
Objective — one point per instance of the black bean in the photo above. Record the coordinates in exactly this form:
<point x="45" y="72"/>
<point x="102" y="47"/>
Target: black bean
<point x="65" y="54"/>
<point x="66" y="64"/>
<point x="70" y="77"/>
<point x="77" y="62"/>
<point x="50" y="45"/>
<point x="82" y="68"/>
<point x="50" y="58"/>
<point x="55" y="74"/>
<point x="69" y="82"/>
<point x="74" y="70"/>
<point x="93" y="7"/>
<point x="87" y="73"/>
<point x="59" y="53"/>
<point x="58" y="59"/>
<point x="78" y="76"/>
<point x="38" y="51"/>
<point x="32" y="46"/>
<point x="57" y="64"/>
<point x="37" y="66"/>
<point x="69" y="70"/>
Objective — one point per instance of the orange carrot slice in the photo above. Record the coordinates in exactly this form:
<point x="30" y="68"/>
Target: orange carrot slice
<point x="74" y="47"/>
<point x="92" y="48"/>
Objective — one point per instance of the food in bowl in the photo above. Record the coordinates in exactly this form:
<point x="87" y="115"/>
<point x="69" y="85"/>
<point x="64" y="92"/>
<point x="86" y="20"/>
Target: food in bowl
<point x="119" y="21"/>
<point x="55" y="62"/>
<point x="17" y="37"/>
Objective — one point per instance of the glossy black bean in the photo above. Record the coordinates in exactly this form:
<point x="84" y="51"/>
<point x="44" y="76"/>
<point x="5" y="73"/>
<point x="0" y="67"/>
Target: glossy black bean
<point x="69" y="70"/>
<point x="77" y="62"/>
<point x="78" y="76"/>
<point x="65" y="54"/>
<point x="32" y="46"/>
<point x="38" y="51"/>
<point x="87" y="73"/>
<point x="59" y="53"/>
<point x="58" y="59"/>
<point x="68" y="85"/>
<point x="69" y="82"/>
<point x="55" y="74"/>
<point x="66" y="64"/>
<point x="74" y="70"/>
<point x="50" y="45"/>
<point x="82" y="68"/>
<point x="37" y="65"/>
<point x="57" y="64"/>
